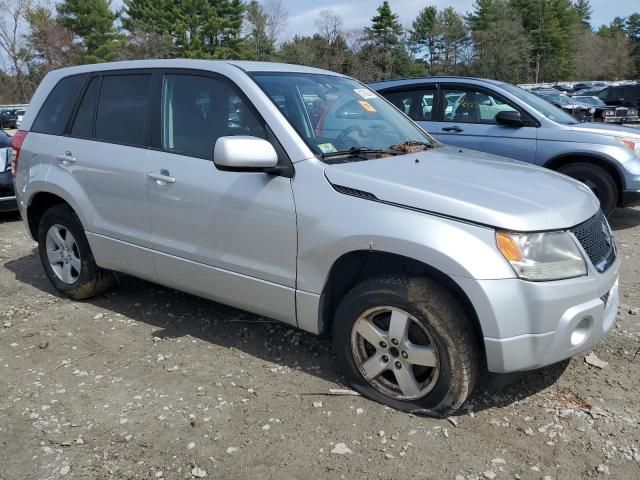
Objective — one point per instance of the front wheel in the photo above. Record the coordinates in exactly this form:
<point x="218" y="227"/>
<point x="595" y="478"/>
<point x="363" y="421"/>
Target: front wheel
<point x="601" y="183"/>
<point x="406" y="342"/>
<point x="66" y="256"/>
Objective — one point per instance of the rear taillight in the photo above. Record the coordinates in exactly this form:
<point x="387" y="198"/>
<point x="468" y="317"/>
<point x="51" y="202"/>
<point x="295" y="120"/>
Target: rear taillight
<point x="14" y="153"/>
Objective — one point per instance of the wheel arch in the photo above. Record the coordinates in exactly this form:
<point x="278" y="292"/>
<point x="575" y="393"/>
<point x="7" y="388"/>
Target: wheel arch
<point x="353" y="267"/>
<point x="602" y="161"/>
<point x="39" y="203"/>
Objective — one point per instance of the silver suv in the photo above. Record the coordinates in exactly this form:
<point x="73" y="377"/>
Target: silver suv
<point x="302" y="195"/>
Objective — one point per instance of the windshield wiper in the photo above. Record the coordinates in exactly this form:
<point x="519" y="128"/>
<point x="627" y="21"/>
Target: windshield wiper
<point x="355" y="151"/>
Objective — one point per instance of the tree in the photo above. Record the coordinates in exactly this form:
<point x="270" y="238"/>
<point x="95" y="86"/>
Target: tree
<point x="93" y="22"/>
<point x="451" y="39"/>
<point x="500" y="42"/>
<point x="583" y="9"/>
<point x="199" y="28"/>
<point x="333" y="52"/>
<point x="50" y="45"/>
<point x="423" y="35"/>
<point x="384" y="34"/>
<point x="261" y="46"/>
<point x="12" y="43"/>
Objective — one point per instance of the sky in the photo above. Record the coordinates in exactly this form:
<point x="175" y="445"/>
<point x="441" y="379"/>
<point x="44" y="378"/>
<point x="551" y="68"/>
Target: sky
<point x="357" y="13"/>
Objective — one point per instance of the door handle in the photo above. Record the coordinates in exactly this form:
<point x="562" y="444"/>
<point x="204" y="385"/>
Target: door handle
<point x="162" y="177"/>
<point x="453" y="129"/>
<point x="66" y="159"/>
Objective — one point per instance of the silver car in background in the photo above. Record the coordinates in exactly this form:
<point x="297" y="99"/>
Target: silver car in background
<point x="302" y="195"/>
<point x="500" y="118"/>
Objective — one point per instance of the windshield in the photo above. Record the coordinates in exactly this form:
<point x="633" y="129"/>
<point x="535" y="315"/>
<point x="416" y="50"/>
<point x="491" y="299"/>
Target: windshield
<point x="541" y="105"/>
<point x="590" y="100"/>
<point x="336" y="114"/>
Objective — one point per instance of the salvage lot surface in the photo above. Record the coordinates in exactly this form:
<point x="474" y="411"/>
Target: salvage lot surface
<point x="147" y="382"/>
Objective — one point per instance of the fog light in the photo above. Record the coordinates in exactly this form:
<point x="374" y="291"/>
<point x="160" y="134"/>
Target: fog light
<point x="581" y="332"/>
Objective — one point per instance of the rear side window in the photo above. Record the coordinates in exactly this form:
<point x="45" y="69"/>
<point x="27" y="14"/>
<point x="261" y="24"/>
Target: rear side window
<point x="83" y="123"/>
<point x="417" y="104"/>
<point x="122" y="109"/>
<point x="56" y="109"/>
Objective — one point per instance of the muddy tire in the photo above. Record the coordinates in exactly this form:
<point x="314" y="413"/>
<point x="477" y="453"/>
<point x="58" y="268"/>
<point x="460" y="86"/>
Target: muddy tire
<point x="66" y="256"/>
<point x="407" y="343"/>
<point x="601" y="183"/>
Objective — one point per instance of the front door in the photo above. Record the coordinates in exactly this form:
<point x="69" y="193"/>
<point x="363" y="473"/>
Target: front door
<point x="467" y="119"/>
<point x="228" y="236"/>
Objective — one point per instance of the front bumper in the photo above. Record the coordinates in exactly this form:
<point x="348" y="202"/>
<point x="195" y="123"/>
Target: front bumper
<point x="627" y="119"/>
<point x="528" y="325"/>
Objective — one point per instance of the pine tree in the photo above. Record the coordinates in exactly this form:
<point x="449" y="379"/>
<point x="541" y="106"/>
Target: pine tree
<point x="93" y="22"/>
<point x="424" y="33"/>
<point x="384" y="34"/>
<point x="583" y="9"/>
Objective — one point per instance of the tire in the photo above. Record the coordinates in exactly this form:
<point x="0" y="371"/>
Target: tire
<point x="84" y="279"/>
<point x="435" y="318"/>
<point x="601" y="183"/>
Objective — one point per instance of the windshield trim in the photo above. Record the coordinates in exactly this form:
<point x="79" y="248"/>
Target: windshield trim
<point x="428" y="138"/>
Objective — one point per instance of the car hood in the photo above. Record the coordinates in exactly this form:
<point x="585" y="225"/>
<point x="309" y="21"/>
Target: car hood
<point x="607" y="129"/>
<point x="472" y="186"/>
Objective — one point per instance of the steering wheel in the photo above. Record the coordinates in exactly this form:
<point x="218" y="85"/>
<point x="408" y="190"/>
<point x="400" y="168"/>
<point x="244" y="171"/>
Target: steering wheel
<point x="351" y="128"/>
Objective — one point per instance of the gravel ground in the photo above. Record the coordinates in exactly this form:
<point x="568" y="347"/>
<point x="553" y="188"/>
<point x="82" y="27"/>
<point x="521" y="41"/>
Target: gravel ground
<point x="147" y="382"/>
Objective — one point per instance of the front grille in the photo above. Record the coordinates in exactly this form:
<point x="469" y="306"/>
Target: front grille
<point x="595" y="237"/>
<point x="622" y="112"/>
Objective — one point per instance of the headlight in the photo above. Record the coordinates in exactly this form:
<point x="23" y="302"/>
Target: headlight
<point x="542" y="256"/>
<point x="609" y="113"/>
<point x="632" y="112"/>
<point x="592" y="110"/>
<point x="632" y="143"/>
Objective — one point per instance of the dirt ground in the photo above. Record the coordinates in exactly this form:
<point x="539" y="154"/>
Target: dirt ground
<point x="147" y="382"/>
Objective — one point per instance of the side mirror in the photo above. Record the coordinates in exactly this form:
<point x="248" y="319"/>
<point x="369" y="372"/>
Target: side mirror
<point x="244" y="153"/>
<point x="509" y="118"/>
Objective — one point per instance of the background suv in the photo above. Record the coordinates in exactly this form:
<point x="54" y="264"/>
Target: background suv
<point x="525" y="127"/>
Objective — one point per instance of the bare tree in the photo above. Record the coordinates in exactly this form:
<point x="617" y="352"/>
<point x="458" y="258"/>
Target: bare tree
<point x="277" y="17"/>
<point x="333" y="50"/>
<point x="12" y="41"/>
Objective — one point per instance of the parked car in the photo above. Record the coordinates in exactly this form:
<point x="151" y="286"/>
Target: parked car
<point x="563" y="88"/>
<point x="529" y="129"/>
<point x="7" y="195"/>
<point x="19" y="115"/>
<point x="589" y="91"/>
<point x="627" y="95"/>
<point x="424" y="261"/>
<point x="8" y="118"/>
<point x="608" y="113"/>
<point x="578" y="110"/>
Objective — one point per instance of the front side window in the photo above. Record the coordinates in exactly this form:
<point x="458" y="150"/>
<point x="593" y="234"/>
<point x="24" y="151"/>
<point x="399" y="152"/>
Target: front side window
<point x="197" y="110"/>
<point x="54" y="114"/>
<point x="122" y="109"/>
<point x="472" y="106"/>
<point x="416" y="104"/>
<point x="544" y="107"/>
<point x="335" y="114"/>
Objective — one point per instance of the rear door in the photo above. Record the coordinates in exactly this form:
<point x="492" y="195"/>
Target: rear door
<point x="103" y="155"/>
<point x="467" y="118"/>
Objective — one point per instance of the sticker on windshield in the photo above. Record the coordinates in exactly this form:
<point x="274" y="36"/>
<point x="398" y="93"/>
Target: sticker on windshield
<point x="365" y="93"/>
<point x="327" y="148"/>
<point x="367" y="106"/>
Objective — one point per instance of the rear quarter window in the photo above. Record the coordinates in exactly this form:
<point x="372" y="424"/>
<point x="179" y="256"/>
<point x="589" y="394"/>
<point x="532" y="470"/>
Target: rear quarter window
<point x="54" y="114"/>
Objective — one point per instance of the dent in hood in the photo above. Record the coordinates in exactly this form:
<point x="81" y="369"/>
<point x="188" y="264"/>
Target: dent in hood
<point x="472" y="186"/>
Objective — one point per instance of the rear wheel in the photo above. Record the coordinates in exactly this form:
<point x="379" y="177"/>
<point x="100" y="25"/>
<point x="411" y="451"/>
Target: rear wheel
<point x="601" y="183"/>
<point x="66" y="256"/>
<point x="407" y="343"/>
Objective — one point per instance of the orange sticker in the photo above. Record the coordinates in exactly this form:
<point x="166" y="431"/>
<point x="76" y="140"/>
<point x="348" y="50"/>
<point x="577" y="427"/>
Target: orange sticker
<point x="367" y="106"/>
